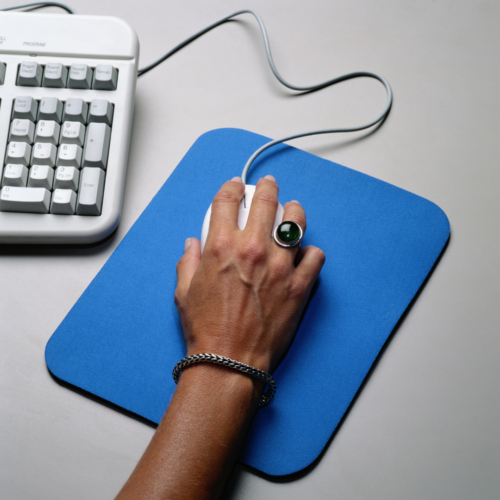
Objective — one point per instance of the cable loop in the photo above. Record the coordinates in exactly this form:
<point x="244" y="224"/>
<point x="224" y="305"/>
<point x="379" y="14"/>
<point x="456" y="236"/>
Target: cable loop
<point x="305" y="88"/>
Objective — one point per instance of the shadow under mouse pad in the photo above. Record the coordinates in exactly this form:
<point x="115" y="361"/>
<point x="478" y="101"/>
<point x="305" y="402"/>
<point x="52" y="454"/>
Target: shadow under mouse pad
<point x="122" y="338"/>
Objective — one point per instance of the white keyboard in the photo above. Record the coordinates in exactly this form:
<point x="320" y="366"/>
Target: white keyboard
<point x="67" y="86"/>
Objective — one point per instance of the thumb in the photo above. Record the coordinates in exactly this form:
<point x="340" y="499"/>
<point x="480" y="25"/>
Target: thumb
<point x="187" y="265"/>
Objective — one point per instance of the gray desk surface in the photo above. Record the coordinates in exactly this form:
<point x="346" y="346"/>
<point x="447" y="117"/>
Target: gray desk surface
<point x="426" y="423"/>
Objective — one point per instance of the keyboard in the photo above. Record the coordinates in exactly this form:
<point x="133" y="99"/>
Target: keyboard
<point x="67" y="87"/>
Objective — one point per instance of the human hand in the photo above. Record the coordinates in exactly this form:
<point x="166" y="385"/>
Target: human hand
<point x="244" y="297"/>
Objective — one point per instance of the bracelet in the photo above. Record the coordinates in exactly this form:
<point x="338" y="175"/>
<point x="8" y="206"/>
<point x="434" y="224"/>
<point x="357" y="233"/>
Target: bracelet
<point x="229" y="363"/>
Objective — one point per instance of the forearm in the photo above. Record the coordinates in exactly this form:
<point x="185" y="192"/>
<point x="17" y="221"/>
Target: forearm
<point x="198" y="440"/>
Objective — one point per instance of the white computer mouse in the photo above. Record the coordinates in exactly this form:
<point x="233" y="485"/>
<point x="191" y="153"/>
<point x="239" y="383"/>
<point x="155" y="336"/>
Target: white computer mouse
<point x="242" y="214"/>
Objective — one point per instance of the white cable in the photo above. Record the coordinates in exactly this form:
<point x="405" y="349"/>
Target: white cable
<point x="39" y="5"/>
<point x="340" y="78"/>
<point x="308" y="88"/>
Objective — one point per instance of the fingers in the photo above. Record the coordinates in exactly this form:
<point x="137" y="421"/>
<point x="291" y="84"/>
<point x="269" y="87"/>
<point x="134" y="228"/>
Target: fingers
<point x="311" y="260"/>
<point x="225" y="206"/>
<point x="294" y="212"/>
<point x="187" y="266"/>
<point x="264" y="206"/>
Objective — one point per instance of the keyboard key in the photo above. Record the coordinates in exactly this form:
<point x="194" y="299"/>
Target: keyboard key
<point x="15" y="175"/>
<point x="72" y="133"/>
<point x="69" y="155"/>
<point x="63" y="202"/>
<point x="2" y="73"/>
<point x="30" y="74"/>
<point x="22" y="131"/>
<point x="67" y="178"/>
<point x="41" y="176"/>
<point x="18" y="153"/>
<point x="100" y="111"/>
<point x="25" y="108"/>
<point x="44" y="153"/>
<point x="96" y="145"/>
<point x="47" y="131"/>
<point x="50" y="108"/>
<point x="91" y="191"/>
<point x="105" y="77"/>
<point x="75" y="110"/>
<point x="24" y="199"/>
<point x="55" y="76"/>
<point x="80" y="76"/>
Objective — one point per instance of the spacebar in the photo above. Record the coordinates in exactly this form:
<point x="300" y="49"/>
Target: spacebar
<point x="24" y="199"/>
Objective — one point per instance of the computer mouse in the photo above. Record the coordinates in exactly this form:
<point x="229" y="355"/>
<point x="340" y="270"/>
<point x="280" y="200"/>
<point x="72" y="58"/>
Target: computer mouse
<point x="243" y="213"/>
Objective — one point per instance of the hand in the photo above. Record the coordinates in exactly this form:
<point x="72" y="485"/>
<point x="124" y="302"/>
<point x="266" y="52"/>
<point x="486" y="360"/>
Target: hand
<point x="243" y="300"/>
<point x="244" y="297"/>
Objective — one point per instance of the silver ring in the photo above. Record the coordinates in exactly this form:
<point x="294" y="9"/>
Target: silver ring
<point x="288" y="234"/>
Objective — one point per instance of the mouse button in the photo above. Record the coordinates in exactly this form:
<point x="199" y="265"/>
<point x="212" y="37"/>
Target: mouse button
<point x="246" y="201"/>
<point x="279" y="216"/>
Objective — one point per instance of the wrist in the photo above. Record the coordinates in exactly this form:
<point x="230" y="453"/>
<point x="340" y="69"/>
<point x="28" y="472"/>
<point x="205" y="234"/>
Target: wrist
<point x="248" y="356"/>
<point x="223" y="384"/>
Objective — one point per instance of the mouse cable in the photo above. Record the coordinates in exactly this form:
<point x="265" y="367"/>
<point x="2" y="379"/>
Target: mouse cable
<point x="308" y="88"/>
<point x="38" y="5"/>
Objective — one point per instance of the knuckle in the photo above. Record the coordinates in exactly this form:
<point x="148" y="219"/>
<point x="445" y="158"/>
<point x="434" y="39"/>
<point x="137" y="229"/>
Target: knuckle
<point x="219" y="246"/>
<point x="266" y="198"/>
<point x="224" y="197"/>
<point x="281" y="269"/>
<point x="253" y="250"/>
<point x="178" y="297"/>
<point x="179" y="264"/>
<point x="318" y="255"/>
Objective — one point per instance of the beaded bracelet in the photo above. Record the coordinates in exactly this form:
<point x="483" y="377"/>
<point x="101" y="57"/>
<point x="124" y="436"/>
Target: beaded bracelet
<point x="229" y="363"/>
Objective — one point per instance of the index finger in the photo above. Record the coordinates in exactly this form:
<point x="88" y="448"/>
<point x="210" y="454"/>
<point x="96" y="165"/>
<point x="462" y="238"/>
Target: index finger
<point x="226" y="205"/>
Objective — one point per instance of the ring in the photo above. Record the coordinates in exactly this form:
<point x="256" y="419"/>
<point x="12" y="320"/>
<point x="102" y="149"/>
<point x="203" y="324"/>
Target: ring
<point x="288" y="234"/>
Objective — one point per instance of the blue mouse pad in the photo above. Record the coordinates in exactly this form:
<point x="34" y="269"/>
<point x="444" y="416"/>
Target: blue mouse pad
<point x="123" y="337"/>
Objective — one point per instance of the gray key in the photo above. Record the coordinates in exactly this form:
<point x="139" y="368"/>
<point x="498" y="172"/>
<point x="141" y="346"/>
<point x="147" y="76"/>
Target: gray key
<point x="44" y="153"/>
<point x="30" y="74"/>
<point x="22" y="131"/>
<point x="96" y="149"/>
<point x="80" y="76"/>
<point x="69" y="155"/>
<point x="75" y="110"/>
<point x="100" y="111"/>
<point x="63" y="202"/>
<point x="41" y="176"/>
<point x="24" y="199"/>
<point x="105" y="77"/>
<point x="66" y="178"/>
<point x="72" y="133"/>
<point x="50" y="108"/>
<point x="91" y="191"/>
<point x="47" y="131"/>
<point x="25" y="107"/>
<point x="2" y="73"/>
<point x="55" y="76"/>
<point x="15" y="175"/>
<point x="18" y="153"/>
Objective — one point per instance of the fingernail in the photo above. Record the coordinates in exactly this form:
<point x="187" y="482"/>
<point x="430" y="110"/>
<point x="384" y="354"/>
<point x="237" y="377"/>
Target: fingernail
<point x="295" y="201"/>
<point x="187" y="244"/>
<point x="270" y="177"/>
<point x="236" y="179"/>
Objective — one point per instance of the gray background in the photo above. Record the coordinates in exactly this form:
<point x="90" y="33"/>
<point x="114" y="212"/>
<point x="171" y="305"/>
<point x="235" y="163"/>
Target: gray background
<point x="426" y="422"/>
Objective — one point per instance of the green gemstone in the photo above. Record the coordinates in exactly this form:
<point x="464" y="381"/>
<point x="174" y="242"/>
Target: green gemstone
<point x="288" y="232"/>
